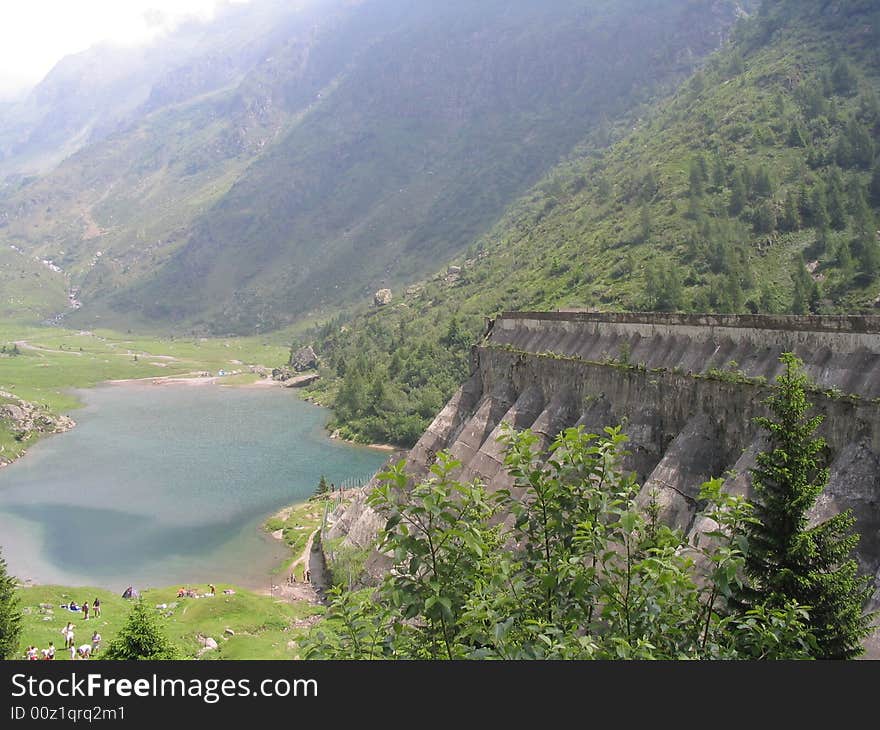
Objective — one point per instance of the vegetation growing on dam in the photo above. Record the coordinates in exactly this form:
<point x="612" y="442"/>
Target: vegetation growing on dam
<point x="574" y="566"/>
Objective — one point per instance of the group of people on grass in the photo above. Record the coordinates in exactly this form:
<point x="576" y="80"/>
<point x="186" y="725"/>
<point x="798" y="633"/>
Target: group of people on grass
<point x="84" y="608"/>
<point x="84" y="651"/>
<point x="192" y="593"/>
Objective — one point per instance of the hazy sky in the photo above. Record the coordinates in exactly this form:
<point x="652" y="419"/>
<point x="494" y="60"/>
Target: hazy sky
<point x="35" y="34"/>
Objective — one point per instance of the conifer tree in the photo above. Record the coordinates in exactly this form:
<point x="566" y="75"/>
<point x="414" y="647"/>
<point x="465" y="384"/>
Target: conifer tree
<point x="795" y="136"/>
<point x="874" y="186"/>
<point x="738" y="194"/>
<point x="697" y="176"/>
<point x="816" y="212"/>
<point x="802" y="287"/>
<point x="865" y="241"/>
<point x="141" y="638"/>
<point x="763" y="185"/>
<point x="791" y="219"/>
<point x="719" y="173"/>
<point x="834" y="196"/>
<point x="10" y="615"/>
<point x="843" y="78"/>
<point x="788" y="560"/>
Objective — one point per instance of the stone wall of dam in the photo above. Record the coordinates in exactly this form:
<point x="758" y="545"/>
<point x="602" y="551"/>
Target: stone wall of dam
<point x="685" y="388"/>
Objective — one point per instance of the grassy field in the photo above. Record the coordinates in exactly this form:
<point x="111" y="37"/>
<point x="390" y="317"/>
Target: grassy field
<point x="297" y="523"/>
<point x="264" y="627"/>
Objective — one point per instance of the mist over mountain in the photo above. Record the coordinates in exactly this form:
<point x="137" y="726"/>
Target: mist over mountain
<point x="285" y="161"/>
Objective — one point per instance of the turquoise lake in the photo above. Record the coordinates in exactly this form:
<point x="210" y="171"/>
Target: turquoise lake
<point x="159" y="485"/>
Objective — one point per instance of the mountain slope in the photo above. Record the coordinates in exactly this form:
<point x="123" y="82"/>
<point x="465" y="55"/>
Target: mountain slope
<point x="373" y="143"/>
<point x="92" y="94"/>
<point x="755" y="187"/>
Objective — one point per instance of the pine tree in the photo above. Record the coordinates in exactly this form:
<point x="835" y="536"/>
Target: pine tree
<point x="802" y="286"/>
<point x="816" y="214"/>
<point x="645" y="223"/>
<point x="764" y="218"/>
<point x="738" y="194"/>
<point x="865" y="241"/>
<point x="719" y="172"/>
<point x="323" y="487"/>
<point x="795" y="136"/>
<point x="855" y="148"/>
<point x="834" y="196"/>
<point x="698" y="175"/>
<point x="788" y="560"/>
<point x="734" y="299"/>
<point x="763" y="186"/>
<point x="664" y="290"/>
<point x="10" y="615"/>
<point x="874" y="187"/>
<point x="845" y="260"/>
<point x="141" y="638"/>
<point x="843" y="78"/>
<point x="791" y="219"/>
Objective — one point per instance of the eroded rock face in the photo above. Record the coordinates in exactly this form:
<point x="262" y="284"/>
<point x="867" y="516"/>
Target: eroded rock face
<point x="382" y="297"/>
<point x="26" y="421"/>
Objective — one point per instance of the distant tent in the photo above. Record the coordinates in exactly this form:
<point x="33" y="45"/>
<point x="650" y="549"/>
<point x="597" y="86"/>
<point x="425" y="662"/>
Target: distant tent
<point x="131" y="593"/>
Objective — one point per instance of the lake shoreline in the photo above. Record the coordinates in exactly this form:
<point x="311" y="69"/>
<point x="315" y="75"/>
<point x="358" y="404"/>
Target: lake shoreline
<point x="297" y="482"/>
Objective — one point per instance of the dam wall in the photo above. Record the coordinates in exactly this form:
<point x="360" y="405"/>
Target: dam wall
<point x="685" y="388"/>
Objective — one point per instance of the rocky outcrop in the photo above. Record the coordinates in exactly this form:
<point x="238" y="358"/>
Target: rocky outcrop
<point x="382" y="297"/>
<point x="301" y="381"/>
<point x="688" y="388"/>
<point x="304" y="359"/>
<point x="27" y="421"/>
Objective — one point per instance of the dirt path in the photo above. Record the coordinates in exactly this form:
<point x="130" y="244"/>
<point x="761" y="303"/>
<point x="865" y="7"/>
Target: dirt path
<point x="300" y="590"/>
<point x="25" y="345"/>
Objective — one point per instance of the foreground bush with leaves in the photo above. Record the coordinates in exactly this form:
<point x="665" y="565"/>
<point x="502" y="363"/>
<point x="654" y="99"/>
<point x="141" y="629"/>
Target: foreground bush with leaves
<point x="566" y="565"/>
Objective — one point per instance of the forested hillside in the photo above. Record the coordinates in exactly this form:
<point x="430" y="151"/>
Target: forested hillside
<point x="755" y="187"/>
<point x="363" y="146"/>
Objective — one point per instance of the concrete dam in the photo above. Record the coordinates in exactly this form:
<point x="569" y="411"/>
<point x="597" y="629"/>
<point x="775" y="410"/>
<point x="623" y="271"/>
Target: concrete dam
<point x="686" y="389"/>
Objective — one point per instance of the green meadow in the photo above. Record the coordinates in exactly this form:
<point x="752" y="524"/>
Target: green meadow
<point x="245" y="625"/>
